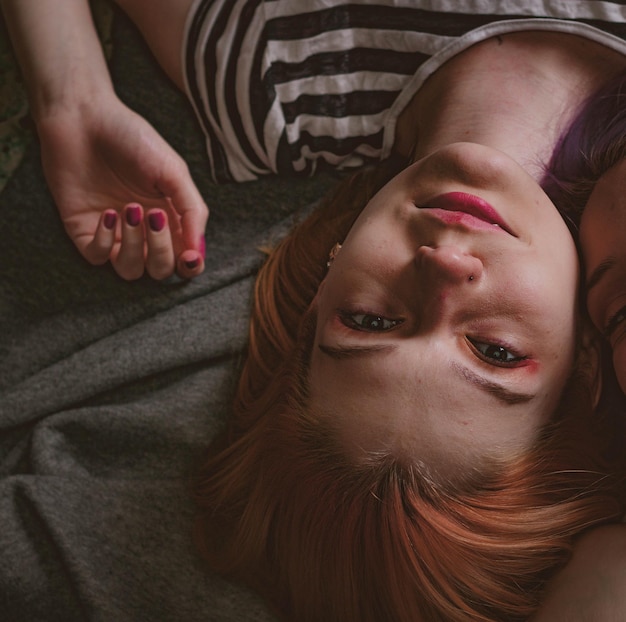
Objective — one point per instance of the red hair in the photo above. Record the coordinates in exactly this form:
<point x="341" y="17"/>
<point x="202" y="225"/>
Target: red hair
<point x="283" y="509"/>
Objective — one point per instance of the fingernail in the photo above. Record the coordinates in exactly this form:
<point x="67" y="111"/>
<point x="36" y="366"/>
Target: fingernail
<point x="110" y="218"/>
<point x="133" y="215"/>
<point x="192" y="263"/>
<point x="203" y="247"/>
<point x="156" y="221"/>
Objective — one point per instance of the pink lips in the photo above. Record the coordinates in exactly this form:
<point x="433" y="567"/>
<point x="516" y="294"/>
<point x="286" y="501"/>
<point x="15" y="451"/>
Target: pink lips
<point x="467" y="209"/>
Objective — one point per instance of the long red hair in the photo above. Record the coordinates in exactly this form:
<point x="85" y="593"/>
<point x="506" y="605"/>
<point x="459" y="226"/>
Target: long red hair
<point x="284" y="510"/>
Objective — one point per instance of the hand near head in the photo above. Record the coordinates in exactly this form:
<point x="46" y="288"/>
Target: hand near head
<point x="123" y="193"/>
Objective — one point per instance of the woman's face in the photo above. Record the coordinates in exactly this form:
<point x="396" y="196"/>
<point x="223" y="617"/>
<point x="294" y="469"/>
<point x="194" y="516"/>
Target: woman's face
<point x="603" y="241"/>
<point x="442" y="337"/>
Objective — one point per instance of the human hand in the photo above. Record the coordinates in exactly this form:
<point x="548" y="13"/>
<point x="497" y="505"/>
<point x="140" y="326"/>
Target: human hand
<point x="122" y="192"/>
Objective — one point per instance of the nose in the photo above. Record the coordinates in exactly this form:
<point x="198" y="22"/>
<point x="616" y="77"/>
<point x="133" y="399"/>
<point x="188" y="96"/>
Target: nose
<point x="446" y="265"/>
<point x="444" y="274"/>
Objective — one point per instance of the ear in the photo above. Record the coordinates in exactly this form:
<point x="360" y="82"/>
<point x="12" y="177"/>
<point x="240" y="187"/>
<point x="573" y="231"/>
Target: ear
<point x="590" y="360"/>
<point x="334" y="251"/>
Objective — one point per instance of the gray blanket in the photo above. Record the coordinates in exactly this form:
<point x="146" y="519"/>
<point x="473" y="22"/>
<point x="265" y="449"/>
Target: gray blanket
<point x="110" y="391"/>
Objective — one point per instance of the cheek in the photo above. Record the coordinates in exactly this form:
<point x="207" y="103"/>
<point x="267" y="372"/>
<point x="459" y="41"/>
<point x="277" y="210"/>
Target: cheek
<point x="599" y="234"/>
<point x="556" y="262"/>
<point x="619" y="362"/>
<point x="548" y="299"/>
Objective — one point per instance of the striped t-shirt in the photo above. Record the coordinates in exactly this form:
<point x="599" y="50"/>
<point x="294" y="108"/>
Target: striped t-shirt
<point x="292" y="86"/>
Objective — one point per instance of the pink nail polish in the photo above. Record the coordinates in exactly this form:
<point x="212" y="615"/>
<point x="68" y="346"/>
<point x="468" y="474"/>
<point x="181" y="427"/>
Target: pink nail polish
<point x="133" y="215"/>
<point x="156" y="221"/>
<point x="110" y="218"/>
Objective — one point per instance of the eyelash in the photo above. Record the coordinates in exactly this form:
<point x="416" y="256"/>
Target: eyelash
<point x="614" y="321"/>
<point x="350" y="319"/>
<point x="517" y="358"/>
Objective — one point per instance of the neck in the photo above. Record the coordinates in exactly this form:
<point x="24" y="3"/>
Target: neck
<point x="515" y="93"/>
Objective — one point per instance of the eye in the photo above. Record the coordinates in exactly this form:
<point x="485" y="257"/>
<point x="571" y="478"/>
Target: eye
<point x="368" y="322"/>
<point x="495" y="354"/>
<point x="615" y="320"/>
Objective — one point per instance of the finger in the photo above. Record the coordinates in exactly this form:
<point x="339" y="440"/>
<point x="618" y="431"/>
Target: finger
<point x="98" y="251"/>
<point x="129" y="263"/>
<point x="191" y="260"/>
<point x="160" y="261"/>
<point x="189" y="204"/>
<point x="176" y="231"/>
<point x="190" y="264"/>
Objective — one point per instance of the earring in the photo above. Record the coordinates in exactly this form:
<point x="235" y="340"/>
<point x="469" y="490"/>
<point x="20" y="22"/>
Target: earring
<point x="333" y="253"/>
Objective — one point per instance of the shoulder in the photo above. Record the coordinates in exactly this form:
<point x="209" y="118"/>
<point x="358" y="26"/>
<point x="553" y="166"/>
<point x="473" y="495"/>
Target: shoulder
<point x="593" y="584"/>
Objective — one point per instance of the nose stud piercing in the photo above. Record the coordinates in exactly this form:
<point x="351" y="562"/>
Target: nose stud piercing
<point x="471" y="278"/>
<point x="333" y="253"/>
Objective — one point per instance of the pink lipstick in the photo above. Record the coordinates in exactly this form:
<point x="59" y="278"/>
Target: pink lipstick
<point x="464" y="208"/>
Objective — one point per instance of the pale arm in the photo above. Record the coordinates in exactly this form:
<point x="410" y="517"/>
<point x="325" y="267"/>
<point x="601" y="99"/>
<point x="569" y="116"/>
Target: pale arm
<point x="99" y="156"/>
<point x="162" y="24"/>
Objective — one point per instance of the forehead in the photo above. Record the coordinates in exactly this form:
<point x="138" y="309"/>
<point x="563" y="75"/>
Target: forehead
<point x="418" y="407"/>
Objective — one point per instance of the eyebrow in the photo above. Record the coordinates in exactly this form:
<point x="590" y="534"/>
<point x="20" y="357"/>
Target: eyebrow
<point x="499" y="391"/>
<point x="506" y="396"/>
<point x="348" y="352"/>
<point x="600" y="271"/>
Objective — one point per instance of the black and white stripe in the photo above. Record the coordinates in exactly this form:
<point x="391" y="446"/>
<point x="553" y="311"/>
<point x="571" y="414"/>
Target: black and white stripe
<point x="287" y="86"/>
